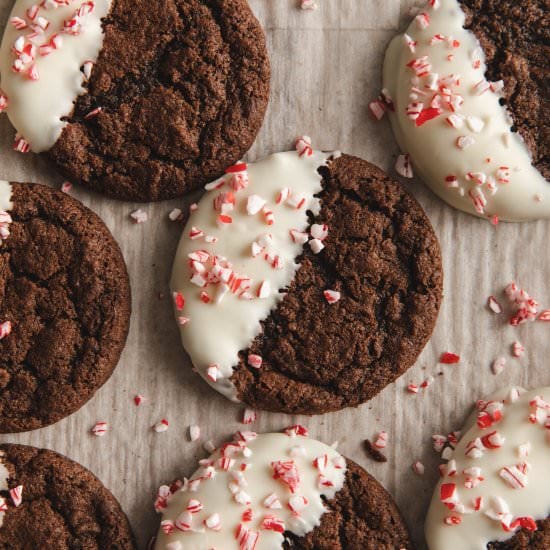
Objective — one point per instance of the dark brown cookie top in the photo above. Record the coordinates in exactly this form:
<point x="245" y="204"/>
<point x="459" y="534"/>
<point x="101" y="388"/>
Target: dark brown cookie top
<point x="183" y="86"/>
<point x="516" y="39"/>
<point x="64" y="506"/>
<point x="362" y="516"/>
<point x="65" y="290"/>
<point x="383" y="257"/>
<point x="534" y="540"/>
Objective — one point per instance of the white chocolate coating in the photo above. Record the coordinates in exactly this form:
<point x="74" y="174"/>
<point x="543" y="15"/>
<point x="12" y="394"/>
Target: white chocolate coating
<point x="216" y="332"/>
<point x="477" y="528"/>
<point x="5" y="196"/>
<point x="433" y="146"/>
<point x="216" y="497"/>
<point x="36" y="107"/>
<point x="4" y="475"/>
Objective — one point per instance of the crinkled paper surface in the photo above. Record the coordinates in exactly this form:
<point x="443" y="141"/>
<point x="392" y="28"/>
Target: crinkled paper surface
<point x="326" y="67"/>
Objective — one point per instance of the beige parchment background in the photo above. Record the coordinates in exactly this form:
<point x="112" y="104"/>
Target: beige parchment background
<point x="325" y="69"/>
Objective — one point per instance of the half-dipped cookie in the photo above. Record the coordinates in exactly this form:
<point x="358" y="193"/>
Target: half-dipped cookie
<point x="64" y="305"/>
<point x="306" y="282"/>
<point x="494" y="490"/>
<point x="49" y="501"/>
<point x="279" y="491"/>
<point x="466" y="88"/>
<point x="138" y="100"/>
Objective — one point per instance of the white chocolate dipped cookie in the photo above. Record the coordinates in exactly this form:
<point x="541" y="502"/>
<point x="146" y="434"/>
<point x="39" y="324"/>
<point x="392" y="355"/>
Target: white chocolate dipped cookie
<point x="277" y="490"/>
<point x="451" y="120"/>
<point x="138" y="100"/>
<point x="495" y="488"/>
<point x="281" y="270"/>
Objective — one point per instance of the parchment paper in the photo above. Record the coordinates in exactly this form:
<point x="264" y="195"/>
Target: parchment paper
<point x="325" y="69"/>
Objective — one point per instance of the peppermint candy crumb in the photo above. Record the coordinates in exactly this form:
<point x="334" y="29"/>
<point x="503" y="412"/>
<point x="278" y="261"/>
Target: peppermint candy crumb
<point x="100" y="429"/>
<point x="194" y="432"/>
<point x="175" y="215"/>
<point x="139" y="216"/>
<point x="161" y="426"/>
<point x="308" y="5"/>
<point x="138" y="399"/>
<point x="449" y="358"/>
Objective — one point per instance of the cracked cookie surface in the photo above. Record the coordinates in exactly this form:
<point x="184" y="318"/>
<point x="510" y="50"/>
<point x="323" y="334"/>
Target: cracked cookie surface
<point x="63" y="506"/>
<point x="183" y="88"/>
<point x="65" y="290"/>
<point x="362" y="516"/>
<point x="383" y="257"/>
<point x="515" y="37"/>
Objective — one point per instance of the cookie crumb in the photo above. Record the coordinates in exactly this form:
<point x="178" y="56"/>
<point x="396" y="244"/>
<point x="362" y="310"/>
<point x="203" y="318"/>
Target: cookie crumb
<point x="373" y="452"/>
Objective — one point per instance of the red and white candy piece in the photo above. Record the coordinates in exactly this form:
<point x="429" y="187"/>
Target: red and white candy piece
<point x="403" y="166"/>
<point x="100" y="429"/>
<point x="161" y="426"/>
<point x="16" y="495"/>
<point x="303" y="146"/>
<point x="5" y="329"/>
<point x="331" y="296"/>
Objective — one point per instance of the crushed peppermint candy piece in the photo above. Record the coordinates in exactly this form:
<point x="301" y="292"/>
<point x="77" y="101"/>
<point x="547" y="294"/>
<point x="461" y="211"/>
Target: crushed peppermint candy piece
<point x="254" y="361"/>
<point x="517" y="349"/>
<point x="297" y="429"/>
<point x="403" y="166"/>
<point x="175" y="215"/>
<point x="449" y="358"/>
<point x="194" y="432"/>
<point x="308" y="5"/>
<point x="498" y="365"/>
<point x="494" y="305"/>
<point x="249" y="416"/>
<point x="331" y="296"/>
<point x="418" y="468"/>
<point x="316" y="246"/>
<point x="139" y="216"/>
<point x="16" y="495"/>
<point x="515" y="476"/>
<point x="303" y="146"/>
<point x="5" y="329"/>
<point x="381" y="440"/>
<point x="100" y="429"/>
<point x="161" y="426"/>
<point x="66" y="186"/>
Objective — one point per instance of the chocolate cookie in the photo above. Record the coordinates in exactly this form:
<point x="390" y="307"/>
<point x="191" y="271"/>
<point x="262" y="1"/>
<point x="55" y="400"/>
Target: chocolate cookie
<point x="362" y="516"/>
<point x="318" y="300"/>
<point x="49" y="501"/>
<point x="138" y="101"/>
<point x="516" y="42"/>
<point x="279" y="491"/>
<point x="64" y="305"/>
<point x="466" y="91"/>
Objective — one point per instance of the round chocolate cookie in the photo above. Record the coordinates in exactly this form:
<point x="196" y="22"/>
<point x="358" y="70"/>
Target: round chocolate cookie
<point x="64" y="306"/>
<point x="317" y="285"/>
<point x="516" y="42"/>
<point x="138" y="100"/>
<point x="382" y="256"/>
<point x="279" y="491"/>
<point x="362" y="516"/>
<point x="50" y="501"/>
